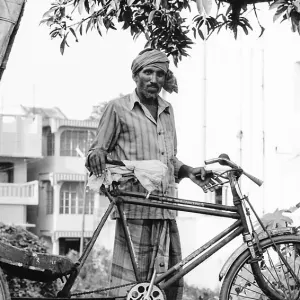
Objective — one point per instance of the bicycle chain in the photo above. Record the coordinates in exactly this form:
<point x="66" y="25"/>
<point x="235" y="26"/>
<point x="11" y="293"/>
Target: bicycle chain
<point x="103" y="290"/>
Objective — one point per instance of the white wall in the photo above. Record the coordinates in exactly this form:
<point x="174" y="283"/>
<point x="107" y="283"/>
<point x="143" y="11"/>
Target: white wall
<point x="13" y="214"/>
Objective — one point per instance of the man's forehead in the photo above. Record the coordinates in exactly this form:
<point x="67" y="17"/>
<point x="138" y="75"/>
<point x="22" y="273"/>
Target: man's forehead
<point x="152" y="68"/>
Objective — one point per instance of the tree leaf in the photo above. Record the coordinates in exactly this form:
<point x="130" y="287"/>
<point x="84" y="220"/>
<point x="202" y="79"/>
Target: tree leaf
<point x="277" y="3"/>
<point x="245" y="29"/>
<point x="129" y="2"/>
<point x="275" y="220"/>
<point x="49" y="12"/>
<point x="288" y="11"/>
<point x="73" y="32"/>
<point x="157" y="4"/>
<point x="207" y="4"/>
<point x="201" y="34"/>
<point x="98" y="29"/>
<point x="279" y="12"/>
<point x="199" y="7"/>
<point x="262" y="30"/>
<point x="194" y="32"/>
<point x="63" y="44"/>
<point x="89" y="23"/>
<point x="229" y="9"/>
<point x="151" y="15"/>
<point x="80" y="6"/>
<point x="87" y="6"/>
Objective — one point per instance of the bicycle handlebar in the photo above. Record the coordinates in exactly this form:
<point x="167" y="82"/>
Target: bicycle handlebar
<point x="224" y="160"/>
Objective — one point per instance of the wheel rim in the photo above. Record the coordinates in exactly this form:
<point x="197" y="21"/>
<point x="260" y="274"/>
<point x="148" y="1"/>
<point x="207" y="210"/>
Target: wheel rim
<point x="274" y="271"/>
<point x="3" y="294"/>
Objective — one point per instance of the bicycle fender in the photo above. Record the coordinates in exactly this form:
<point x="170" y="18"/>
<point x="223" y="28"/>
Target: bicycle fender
<point x="262" y="236"/>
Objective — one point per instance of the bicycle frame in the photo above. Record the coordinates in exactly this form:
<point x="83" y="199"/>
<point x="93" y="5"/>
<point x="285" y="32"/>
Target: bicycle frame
<point x="115" y="197"/>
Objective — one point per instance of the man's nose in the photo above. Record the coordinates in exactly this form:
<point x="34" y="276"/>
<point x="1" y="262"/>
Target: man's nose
<point x="154" y="78"/>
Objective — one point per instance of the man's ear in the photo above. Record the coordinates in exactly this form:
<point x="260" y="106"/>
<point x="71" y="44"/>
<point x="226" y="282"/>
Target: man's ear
<point x="134" y="77"/>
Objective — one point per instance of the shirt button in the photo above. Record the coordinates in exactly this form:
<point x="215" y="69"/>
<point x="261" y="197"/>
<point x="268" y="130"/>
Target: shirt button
<point x="162" y="153"/>
<point x="159" y="133"/>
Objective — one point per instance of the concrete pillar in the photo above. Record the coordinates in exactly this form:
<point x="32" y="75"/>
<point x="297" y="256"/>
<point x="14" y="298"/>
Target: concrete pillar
<point x="55" y="245"/>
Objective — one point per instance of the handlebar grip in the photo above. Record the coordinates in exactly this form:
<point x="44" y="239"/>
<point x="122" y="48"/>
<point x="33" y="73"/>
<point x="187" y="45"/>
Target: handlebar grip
<point x="253" y="178"/>
<point x="211" y="161"/>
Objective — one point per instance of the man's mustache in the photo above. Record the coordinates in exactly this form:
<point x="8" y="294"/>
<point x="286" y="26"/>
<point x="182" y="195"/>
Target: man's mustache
<point x="153" y="86"/>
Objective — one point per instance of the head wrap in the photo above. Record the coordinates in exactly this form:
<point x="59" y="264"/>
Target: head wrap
<point x="158" y="59"/>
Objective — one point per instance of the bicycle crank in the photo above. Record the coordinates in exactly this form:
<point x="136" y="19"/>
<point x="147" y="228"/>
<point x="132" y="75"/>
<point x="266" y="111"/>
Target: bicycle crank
<point x="139" y="292"/>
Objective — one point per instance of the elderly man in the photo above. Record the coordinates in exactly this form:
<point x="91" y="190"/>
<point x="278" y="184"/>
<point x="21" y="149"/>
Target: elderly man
<point x="141" y="126"/>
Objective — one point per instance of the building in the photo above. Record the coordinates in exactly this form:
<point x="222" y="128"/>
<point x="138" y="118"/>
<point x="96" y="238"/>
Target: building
<point x="61" y="175"/>
<point x="20" y="146"/>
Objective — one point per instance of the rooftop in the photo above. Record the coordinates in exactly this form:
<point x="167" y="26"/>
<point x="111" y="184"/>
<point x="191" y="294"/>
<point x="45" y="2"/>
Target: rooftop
<point x="53" y="112"/>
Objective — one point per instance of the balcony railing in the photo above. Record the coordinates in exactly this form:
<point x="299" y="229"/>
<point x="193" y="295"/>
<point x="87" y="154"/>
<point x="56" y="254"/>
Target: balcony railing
<point x="20" y="193"/>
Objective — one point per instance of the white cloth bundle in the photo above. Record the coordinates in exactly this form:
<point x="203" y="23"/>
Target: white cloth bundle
<point x="150" y="173"/>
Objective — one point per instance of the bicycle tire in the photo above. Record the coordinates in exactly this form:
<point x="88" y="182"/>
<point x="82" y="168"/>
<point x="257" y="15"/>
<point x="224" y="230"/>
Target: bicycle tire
<point x="4" y="291"/>
<point x="239" y="282"/>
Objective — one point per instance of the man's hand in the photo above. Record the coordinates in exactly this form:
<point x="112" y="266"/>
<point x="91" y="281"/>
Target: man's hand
<point x="205" y="179"/>
<point x="95" y="162"/>
<point x="202" y="178"/>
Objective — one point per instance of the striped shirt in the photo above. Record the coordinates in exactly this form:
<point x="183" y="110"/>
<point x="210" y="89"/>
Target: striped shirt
<point x="127" y="131"/>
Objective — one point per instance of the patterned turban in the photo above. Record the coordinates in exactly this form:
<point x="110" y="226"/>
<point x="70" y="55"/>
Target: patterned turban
<point x="158" y="59"/>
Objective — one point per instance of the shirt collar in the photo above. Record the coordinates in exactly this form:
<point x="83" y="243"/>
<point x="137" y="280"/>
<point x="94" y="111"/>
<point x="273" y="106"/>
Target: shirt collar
<point x="162" y="104"/>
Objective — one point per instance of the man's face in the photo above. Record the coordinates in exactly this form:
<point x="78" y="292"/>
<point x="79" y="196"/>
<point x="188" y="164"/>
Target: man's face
<point x="149" y="82"/>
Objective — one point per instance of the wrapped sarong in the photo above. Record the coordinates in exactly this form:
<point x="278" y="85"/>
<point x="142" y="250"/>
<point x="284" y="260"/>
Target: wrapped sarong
<point x="152" y="239"/>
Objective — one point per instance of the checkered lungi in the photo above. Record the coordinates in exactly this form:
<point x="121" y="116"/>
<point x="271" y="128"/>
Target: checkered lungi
<point x="151" y="239"/>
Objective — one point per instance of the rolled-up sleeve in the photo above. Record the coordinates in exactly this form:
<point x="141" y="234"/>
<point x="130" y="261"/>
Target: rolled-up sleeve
<point x="108" y="130"/>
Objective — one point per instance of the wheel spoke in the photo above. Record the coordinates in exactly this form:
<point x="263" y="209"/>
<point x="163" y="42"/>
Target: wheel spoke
<point x="274" y="268"/>
<point x="248" y="289"/>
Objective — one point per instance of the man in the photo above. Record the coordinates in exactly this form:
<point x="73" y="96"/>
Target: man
<point x="141" y="126"/>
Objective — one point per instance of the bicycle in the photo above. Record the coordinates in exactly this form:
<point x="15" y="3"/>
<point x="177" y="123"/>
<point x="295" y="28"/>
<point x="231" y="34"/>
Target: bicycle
<point x="266" y="266"/>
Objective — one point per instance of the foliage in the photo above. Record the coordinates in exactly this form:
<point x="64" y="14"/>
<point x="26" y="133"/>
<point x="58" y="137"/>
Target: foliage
<point x="94" y="273"/>
<point x="192" y="292"/>
<point x="21" y="238"/>
<point x="160" y="21"/>
<point x="98" y="109"/>
<point x="277" y="219"/>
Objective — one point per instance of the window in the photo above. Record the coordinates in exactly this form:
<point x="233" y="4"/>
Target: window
<point x="221" y="195"/>
<point x="6" y="172"/>
<point x="72" y="198"/>
<point x="218" y="196"/>
<point x="296" y="86"/>
<point x="49" y="198"/>
<point x="71" y="139"/>
<point x="49" y="141"/>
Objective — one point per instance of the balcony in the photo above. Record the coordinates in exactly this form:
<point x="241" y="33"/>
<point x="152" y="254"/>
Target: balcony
<point x="20" y="193"/>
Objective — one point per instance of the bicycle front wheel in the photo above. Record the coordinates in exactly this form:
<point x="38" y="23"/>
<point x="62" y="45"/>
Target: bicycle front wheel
<point x="4" y="291"/>
<point x="239" y="282"/>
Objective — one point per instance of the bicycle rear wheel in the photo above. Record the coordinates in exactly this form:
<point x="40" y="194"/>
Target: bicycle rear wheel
<point x="239" y="282"/>
<point x="4" y="291"/>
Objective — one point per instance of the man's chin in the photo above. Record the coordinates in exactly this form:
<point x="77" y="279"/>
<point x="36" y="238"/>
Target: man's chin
<point x="150" y="96"/>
